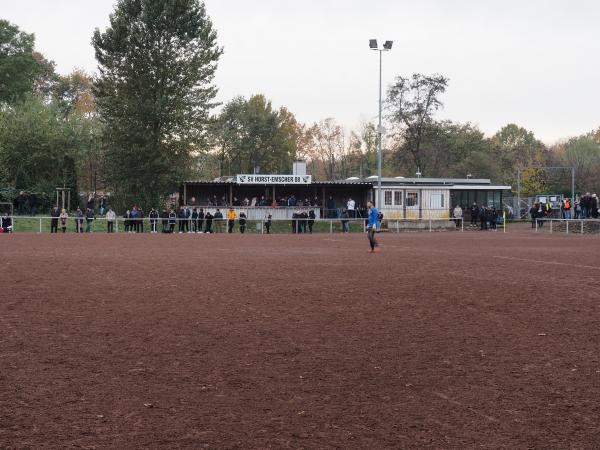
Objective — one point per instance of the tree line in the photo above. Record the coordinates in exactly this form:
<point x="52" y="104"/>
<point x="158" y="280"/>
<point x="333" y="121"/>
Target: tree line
<point x="149" y="119"/>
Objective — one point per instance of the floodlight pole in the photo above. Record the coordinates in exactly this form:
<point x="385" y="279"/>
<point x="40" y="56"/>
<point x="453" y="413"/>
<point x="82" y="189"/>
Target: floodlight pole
<point x="386" y="47"/>
<point x="379" y="133"/>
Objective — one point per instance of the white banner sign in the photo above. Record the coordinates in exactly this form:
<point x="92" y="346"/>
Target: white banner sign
<point x="274" y="179"/>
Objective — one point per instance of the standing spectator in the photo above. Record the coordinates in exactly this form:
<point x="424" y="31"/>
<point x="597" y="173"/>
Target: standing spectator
<point x="578" y="214"/>
<point x="33" y="204"/>
<point x="548" y="210"/>
<point x="172" y="220"/>
<point x="195" y="220"/>
<point x="457" y="214"/>
<point x="295" y="222"/>
<point x="209" y="220"/>
<point x="540" y="214"/>
<point x="54" y="215"/>
<point x="594" y="206"/>
<point x="533" y="213"/>
<point x="303" y="221"/>
<point x="474" y="214"/>
<point x="102" y="204"/>
<point x="331" y="211"/>
<point x="182" y="219"/>
<point x="188" y="217"/>
<point x="268" y="223"/>
<point x="351" y="207"/>
<point x="379" y="220"/>
<point x="311" y="220"/>
<point x="242" y="222"/>
<point x="134" y="223"/>
<point x="200" y="220"/>
<point x="153" y="221"/>
<point x="566" y="206"/>
<point x="127" y="221"/>
<point x="345" y="227"/>
<point x="63" y="220"/>
<point x="231" y="216"/>
<point x="483" y="217"/>
<point x="111" y="216"/>
<point x="585" y="205"/>
<point x="89" y="220"/>
<point x="494" y="218"/>
<point x="79" y="220"/>
<point x="218" y="218"/>
<point x="164" y="219"/>
<point x="140" y="219"/>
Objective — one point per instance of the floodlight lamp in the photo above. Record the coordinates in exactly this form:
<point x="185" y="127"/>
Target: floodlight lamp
<point x="373" y="44"/>
<point x="388" y="45"/>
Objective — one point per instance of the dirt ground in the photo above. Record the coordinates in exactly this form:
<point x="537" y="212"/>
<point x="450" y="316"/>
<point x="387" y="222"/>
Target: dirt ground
<point x="443" y="340"/>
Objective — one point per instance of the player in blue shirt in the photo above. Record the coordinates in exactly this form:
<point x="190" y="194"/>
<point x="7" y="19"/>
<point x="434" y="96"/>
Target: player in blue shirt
<point x="372" y="226"/>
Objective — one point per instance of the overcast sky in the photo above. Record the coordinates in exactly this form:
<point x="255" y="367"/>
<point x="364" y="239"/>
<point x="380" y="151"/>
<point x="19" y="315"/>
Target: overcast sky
<point x="535" y="63"/>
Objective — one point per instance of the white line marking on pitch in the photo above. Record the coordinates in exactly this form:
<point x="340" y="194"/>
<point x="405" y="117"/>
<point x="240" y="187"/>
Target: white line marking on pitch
<point x="470" y="408"/>
<point x="556" y="263"/>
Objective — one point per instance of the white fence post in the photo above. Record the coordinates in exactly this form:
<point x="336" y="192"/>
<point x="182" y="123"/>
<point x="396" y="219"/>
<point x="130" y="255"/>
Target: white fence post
<point x="567" y="227"/>
<point x="40" y="226"/>
<point x="551" y="220"/>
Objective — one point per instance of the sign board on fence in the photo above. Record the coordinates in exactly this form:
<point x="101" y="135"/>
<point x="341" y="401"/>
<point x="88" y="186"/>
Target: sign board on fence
<point x="274" y="179"/>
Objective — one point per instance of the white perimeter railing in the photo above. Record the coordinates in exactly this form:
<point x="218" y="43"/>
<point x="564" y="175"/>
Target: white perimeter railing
<point x="40" y="224"/>
<point x="573" y="226"/>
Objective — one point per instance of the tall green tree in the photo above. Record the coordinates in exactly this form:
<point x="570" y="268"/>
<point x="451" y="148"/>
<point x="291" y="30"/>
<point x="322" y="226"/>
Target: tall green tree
<point x="157" y="60"/>
<point x="18" y="67"/>
<point x="412" y="103"/>
<point x="583" y="153"/>
<point x="251" y="134"/>
<point x="38" y="147"/>
<point x="517" y="148"/>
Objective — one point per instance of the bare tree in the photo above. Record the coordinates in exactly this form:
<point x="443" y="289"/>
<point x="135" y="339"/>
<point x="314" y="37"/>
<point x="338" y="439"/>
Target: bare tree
<point x="328" y="145"/>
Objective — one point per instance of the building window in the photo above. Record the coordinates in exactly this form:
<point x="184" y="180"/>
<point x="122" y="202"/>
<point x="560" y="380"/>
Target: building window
<point x="412" y="199"/>
<point x="398" y="198"/>
<point x="387" y="201"/>
<point x="436" y="201"/>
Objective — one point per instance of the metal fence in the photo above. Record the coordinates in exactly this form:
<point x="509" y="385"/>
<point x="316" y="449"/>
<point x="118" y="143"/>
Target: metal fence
<point x="567" y="226"/>
<point x="45" y="224"/>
